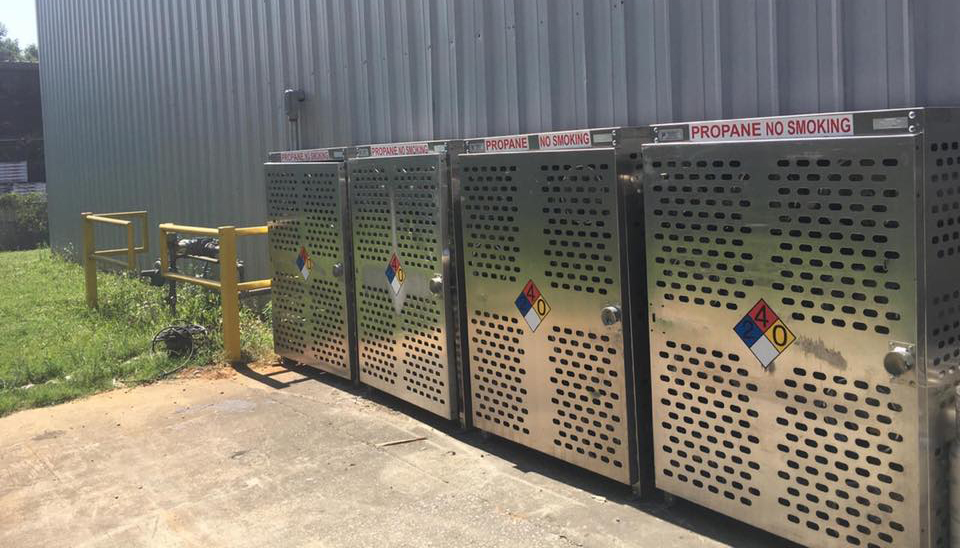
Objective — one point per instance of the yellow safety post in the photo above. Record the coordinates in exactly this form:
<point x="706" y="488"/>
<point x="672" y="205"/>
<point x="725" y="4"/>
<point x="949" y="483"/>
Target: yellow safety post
<point x="89" y="263"/>
<point x="229" y="293"/>
<point x="91" y="255"/>
<point x="229" y="285"/>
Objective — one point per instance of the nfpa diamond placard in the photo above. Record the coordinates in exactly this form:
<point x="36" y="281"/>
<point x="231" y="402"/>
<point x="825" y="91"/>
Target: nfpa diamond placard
<point x="395" y="274"/>
<point x="303" y="262"/>
<point x="532" y="306"/>
<point x="764" y="333"/>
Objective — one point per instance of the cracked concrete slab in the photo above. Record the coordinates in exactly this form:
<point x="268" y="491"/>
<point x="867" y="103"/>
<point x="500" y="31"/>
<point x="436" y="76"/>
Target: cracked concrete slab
<point x="277" y="457"/>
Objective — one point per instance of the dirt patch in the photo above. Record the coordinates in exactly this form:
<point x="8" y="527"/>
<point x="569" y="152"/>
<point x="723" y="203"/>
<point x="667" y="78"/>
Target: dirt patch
<point x="222" y="371"/>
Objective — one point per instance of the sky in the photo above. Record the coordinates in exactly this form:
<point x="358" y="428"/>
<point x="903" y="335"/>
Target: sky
<point x="20" y="17"/>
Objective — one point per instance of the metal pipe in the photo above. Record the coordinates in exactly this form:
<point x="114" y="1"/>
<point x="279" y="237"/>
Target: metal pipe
<point x="252" y="230"/>
<point x="229" y="293"/>
<point x="123" y="214"/>
<point x="200" y="258"/>
<point x="183" y="229"/>
<point x="109" y="220"/>
<point x="120" y="251"/>
<point x="955" y="480"/>
<point x="89" y="263"/>
<point x="110" y="260"/>
<point x="255" y="293"/>
<point x="255" y="284"/>
<point x="212" y="284"/>
<point x="131" y="248"/>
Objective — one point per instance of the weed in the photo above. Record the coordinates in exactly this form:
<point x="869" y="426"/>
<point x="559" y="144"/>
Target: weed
<point x="53" y="348"/>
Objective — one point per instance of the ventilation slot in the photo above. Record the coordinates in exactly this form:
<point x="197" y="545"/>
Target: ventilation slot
<point x="586" y="399"/>
<point x="498" y="372"/>
<point x="376" y="325"/>
<point x="418" y="217"/>
<point x="372" y="227"/>
<point x="712" y="441"/>
<point x="580" y="230"/>
<point x="847" y="470"/>
<point x="328" y="343"/>
<point x="489" y="197"/>
<point x="699" y="233"/>
<point x="837" y="224"/>
<point x="945" y="200"/>
<point x="289" y="323"/>
<point x="424" y="358"/>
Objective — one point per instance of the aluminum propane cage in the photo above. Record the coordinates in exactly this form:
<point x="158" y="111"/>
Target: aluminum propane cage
<point x="551" y="227"/>
<point x="804" y="329"/>
<point x="406" y="272"/>
<point x="311" y="258"/>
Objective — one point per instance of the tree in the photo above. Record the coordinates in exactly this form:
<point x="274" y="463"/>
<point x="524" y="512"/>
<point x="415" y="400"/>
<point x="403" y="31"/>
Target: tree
<point x="30" y="54"/>
<point x="10" y="49"/>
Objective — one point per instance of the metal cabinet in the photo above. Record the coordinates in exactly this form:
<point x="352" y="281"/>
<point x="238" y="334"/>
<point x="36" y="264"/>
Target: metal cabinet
<point x="547" y="242"/>
<point x="310" y="253"/>
<point x="803" y="315"/>
<point x="404" y="292"/>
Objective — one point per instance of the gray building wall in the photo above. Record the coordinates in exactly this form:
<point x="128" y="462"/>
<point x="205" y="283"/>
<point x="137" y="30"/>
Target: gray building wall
<point x="171" y="105"/>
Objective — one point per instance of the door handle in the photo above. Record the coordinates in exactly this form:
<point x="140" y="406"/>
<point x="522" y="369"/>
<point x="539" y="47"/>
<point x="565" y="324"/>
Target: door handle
<point x="436" y="284"/>
<point x="610" y="315"/>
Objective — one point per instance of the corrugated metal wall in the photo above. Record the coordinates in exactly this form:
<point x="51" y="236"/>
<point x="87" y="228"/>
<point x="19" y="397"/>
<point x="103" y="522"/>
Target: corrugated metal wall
<point x="171" y="105"/>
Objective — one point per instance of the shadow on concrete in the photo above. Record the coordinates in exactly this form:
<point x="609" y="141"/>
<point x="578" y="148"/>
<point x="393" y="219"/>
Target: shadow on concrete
<point x="308" y="374"/>
<point x="686" y="514"/>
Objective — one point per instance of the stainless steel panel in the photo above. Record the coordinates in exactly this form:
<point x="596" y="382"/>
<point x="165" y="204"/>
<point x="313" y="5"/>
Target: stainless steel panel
<point x="824" y="446"/>
<point x="307" y="205"/>
<point x="939" y="295"/>
<point x="404" y="317"/>
<point x="544" y="370"/>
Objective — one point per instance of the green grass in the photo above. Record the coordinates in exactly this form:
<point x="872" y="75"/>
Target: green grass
<point x="53" y="348"/>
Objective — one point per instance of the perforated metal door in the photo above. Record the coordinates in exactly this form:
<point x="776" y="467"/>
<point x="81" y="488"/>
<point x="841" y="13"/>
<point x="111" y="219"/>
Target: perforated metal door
<point x="400" y="230"/>
<point x="822" y="446"/>
<point x="306" y="204"/>
<point x="541" y="252"/>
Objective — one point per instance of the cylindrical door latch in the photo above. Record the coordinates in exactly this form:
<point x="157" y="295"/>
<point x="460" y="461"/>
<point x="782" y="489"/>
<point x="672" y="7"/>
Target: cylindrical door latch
<point x="898" y="360"/>
<point x="337" y="270"/>
<point x="610" y="315"/>
<point x="436" y="284"/>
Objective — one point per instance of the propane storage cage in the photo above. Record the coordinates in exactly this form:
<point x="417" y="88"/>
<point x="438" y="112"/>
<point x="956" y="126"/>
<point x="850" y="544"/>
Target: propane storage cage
<point x="804" y="316"/>
<point x="551" y="227"/>
<point x="406" y="297"/>
<point x="311" y="258"/>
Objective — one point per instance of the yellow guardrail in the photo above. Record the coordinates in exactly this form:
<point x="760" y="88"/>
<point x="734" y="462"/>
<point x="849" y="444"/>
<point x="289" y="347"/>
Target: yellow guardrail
<point x="91" y="255"/>
<point x="228" y="284"/>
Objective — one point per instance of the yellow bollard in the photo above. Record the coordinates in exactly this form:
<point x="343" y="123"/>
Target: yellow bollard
<point x="229" y="293"/>
<point x="131" y="248"/>
<point x="89" y="263"/>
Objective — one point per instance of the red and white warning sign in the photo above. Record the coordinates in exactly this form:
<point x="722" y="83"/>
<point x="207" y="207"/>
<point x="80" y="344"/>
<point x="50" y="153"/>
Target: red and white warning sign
<point x="512" y="143"/>
<point x="792" y="127"/>
<point x="565" y="139"/>
<point x="310" y="155"/>
<point x="400" y="149"/>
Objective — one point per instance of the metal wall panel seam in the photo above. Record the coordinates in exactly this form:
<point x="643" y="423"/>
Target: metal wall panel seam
<point x="511" y="107"/>
<point x="768" y="48"/>
<point x="833" y="88"/>
<point x="620" y="97"/>
<point x="579" y="64"/>
<point x="712" y="67"/>
<point x="544" y="69"/>
<point x="664" y="73"/>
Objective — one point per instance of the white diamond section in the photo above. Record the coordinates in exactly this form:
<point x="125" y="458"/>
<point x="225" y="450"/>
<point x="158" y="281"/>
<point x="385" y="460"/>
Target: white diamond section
<point x="533" y="320"/>
<point x="764" y="350"/>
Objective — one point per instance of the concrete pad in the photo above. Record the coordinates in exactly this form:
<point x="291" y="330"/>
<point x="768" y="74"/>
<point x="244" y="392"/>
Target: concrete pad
<point x="280" y="457"/>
